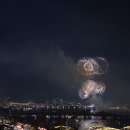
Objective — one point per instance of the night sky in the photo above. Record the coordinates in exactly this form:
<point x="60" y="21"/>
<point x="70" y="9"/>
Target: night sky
<point x="41" y="42"/>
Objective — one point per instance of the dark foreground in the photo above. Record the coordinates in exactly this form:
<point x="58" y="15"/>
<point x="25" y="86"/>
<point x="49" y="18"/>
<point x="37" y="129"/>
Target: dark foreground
<point x="59" y="119"/>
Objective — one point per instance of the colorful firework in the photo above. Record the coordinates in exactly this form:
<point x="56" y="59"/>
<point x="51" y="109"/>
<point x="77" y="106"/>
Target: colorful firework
<point x="92" y="66"/>
<point x="91" y="87"/>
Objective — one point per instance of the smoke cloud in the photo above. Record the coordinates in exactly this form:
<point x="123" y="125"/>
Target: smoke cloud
<point x="34" y="73"/>
<point x="48" y="73"/>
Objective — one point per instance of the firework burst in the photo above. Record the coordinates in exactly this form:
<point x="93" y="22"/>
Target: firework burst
<point x="91" y="87"/>
<point x="92" y="66"/>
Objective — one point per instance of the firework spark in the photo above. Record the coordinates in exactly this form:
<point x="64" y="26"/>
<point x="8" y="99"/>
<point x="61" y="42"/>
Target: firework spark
<point x="92" y="66"/>
<point x="91" y="87"/>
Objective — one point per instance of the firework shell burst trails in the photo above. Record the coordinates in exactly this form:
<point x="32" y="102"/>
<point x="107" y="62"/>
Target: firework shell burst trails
<point x="89" y="68"/>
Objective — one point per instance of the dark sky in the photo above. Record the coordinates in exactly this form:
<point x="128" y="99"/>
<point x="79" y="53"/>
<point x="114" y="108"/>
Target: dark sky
<point x="41" y="42"/>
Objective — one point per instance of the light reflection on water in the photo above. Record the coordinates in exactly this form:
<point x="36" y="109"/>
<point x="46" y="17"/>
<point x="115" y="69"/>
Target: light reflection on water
<point x="108" y="123"/>
<point x="89" y="123"/>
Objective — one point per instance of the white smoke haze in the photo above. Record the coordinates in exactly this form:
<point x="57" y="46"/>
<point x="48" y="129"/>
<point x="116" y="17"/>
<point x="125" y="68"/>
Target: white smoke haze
<point x="59" y="68"/>
<point x="90" y="123"/>
<point x="51" y="65"/>
<point x="99" y="103"/>
<point x="34" y="66"/>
